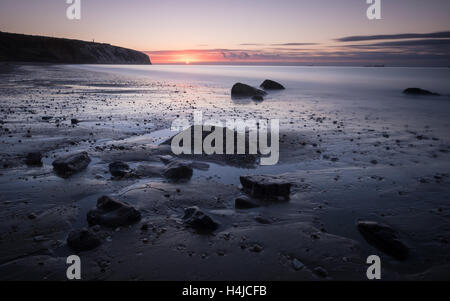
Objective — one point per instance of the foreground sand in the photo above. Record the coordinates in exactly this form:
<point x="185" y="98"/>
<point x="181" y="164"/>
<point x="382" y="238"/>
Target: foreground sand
<point x="346" y="163"/>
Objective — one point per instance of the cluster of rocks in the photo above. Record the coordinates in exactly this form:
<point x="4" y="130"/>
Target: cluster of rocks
<point x="241" y="90"/>
<point x="259" y="189"/>
<point x="65" y="166"/>
<point x="263" y="189"/>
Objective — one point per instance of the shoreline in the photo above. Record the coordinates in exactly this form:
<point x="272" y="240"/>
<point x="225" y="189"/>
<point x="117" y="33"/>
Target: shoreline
<point x="328" y="151"/>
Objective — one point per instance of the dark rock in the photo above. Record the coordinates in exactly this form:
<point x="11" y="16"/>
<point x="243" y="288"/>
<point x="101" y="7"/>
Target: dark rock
<point x="257" y="98"/>
<point x="243" y="90"/>
<point x="74" y="121"/>
<point x="297" y="264"/>
<point x="34" y="159"/>
<point x="320" y="271"/>
<point x="266" y="187"/>
<point x="144" y="227"/>
<point x="70" y="165"/>
<point x="178" y="170"/>
<point x="83" y="240"/>
<point x="244" y="202"/>
<point x="199" y="220"/>
<point x="418" y="91"/>
<point x="112" y="213"/>
<point x="47" y="118"/>
<point x="256" y="248"/>
<point x="384" y="238"/>
<point x="40" y="238"/>
<point x="119" y="169"/>
<point x="263" y="220"/>
<point x="271" y="85"/>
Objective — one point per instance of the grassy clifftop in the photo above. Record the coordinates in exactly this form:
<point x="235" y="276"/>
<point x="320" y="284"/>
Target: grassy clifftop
<point x="26" y="48"/>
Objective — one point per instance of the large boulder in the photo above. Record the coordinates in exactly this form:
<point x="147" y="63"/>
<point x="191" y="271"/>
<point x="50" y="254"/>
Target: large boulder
<point x="271" y="85"/>
<point x="243" y="90"/>
<point x="418" y="91"/>
<point x="266" y="187"/>
<point x="178" y="170"/>
<point x="197" y="219"/>
<point x="113" y="213"/>
<point x="195" y="160"/>
<point x="384" y="238"/>
<point x="83" y="240"/>
<point x="70" y="165"/>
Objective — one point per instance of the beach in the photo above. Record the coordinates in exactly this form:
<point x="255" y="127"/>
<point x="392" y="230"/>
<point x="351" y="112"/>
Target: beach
<point x="353" y="146"/>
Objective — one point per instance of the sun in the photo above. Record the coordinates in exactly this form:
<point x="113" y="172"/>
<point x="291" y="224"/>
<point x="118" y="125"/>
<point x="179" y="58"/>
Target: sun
<point x="187" y="61"/>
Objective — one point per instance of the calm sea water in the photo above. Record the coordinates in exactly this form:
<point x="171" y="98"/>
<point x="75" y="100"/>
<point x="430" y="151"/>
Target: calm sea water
<point x="308" y="78"/>
<point x="360" y="90"/>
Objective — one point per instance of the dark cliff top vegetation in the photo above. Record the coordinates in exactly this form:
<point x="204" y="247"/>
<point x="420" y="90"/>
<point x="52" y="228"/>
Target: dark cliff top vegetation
<point x="27" y="48"/>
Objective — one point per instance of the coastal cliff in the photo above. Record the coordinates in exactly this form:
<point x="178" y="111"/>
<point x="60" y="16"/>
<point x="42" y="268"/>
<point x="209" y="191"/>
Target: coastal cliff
<point x="27" y="48"/>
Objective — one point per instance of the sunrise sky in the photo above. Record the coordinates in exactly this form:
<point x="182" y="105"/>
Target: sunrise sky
<point x="249" y="31"/>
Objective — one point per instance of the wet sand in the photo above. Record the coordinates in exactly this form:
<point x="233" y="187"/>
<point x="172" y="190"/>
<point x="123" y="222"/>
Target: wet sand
<point x="388" y="163"/>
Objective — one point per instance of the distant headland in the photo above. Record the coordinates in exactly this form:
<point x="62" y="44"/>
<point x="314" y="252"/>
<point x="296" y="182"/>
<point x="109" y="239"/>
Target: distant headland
<point x="41" y="49"/>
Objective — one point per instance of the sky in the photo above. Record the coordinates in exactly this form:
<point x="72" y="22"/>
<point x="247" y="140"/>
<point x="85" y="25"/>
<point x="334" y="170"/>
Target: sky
<point x="311" y="32"/>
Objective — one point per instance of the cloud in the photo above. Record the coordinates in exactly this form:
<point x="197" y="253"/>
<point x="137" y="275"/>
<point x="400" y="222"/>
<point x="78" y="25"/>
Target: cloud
<point x="433" y="42"/>
<point x="434" y="35"/>
<point x="391" y="50"/>
<point x="280" y="44"/>
<point x="235" y="55"/>
<point x="251" y="44"/>
<point x="294" y="44"/>
<point x="429" y="47"/>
